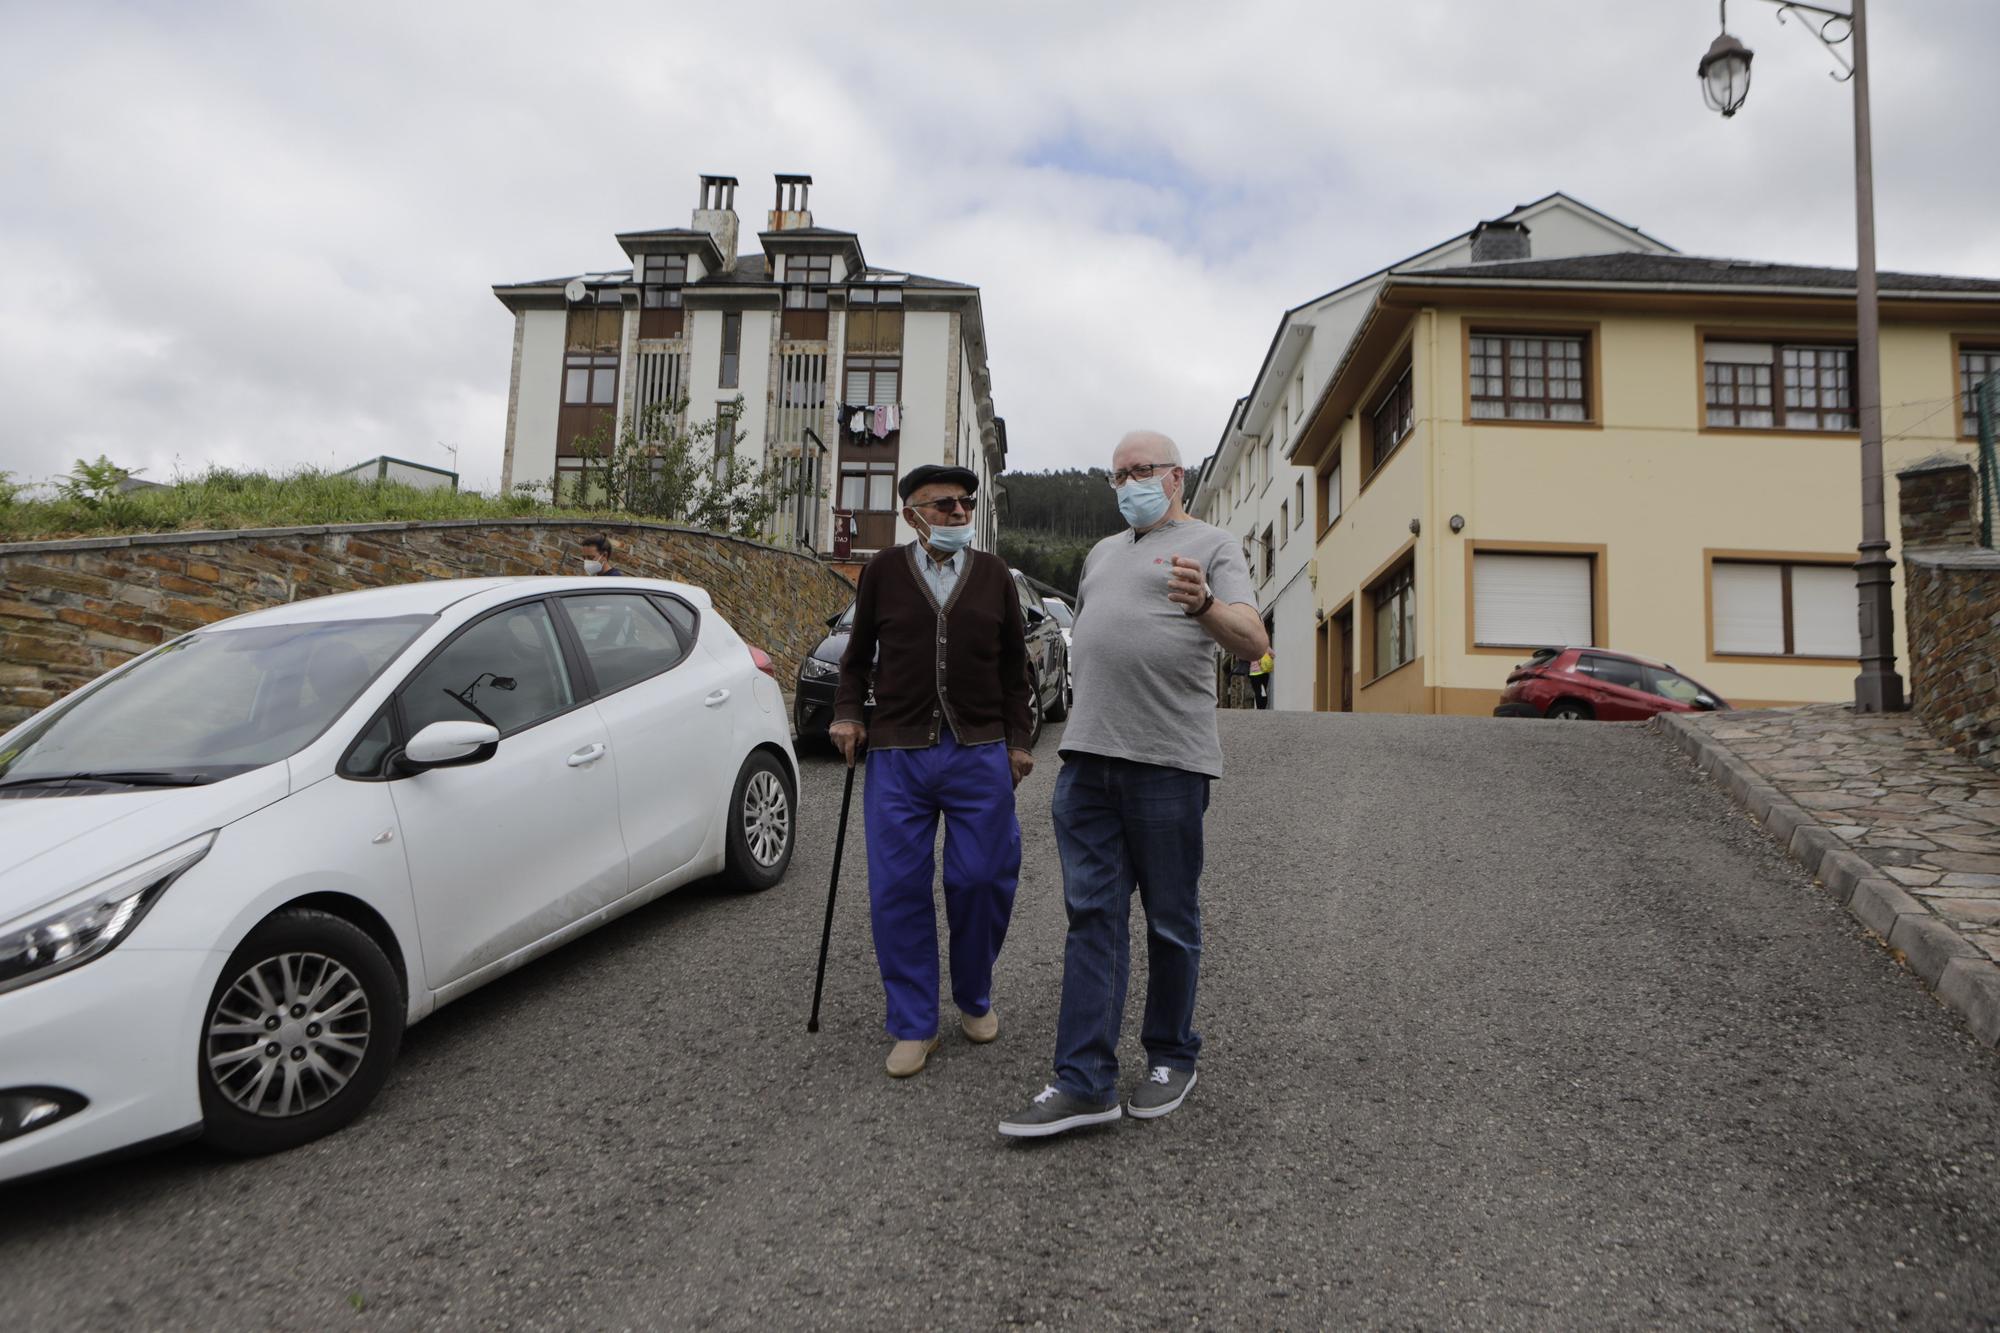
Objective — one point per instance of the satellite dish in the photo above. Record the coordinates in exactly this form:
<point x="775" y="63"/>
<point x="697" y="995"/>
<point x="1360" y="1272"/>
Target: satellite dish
<point x="576" y="290"/>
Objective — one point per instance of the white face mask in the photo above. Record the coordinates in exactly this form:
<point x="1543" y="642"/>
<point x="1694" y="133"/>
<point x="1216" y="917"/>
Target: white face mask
<point x="593" y="566"/>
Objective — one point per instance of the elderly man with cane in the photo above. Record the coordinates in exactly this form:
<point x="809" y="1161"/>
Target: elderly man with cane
<point x="1138" y="756"/>
<point x="940" y="626"/>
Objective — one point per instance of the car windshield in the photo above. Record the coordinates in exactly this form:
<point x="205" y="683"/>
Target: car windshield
<point x="213" y="704"/>
<point x="1060" y="610"/>
<point x="1668" y="685"/>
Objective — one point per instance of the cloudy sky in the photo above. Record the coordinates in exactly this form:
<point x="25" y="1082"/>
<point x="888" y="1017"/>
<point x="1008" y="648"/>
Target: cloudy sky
<point x="265" y="234"/>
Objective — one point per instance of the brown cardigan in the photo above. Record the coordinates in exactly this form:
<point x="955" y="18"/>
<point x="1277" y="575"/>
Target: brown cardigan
<point x="964" y="665"/>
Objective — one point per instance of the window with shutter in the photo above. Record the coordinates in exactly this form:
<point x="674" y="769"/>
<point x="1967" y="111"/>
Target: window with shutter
<point x="1531" y="600"/>
<point x="1784" y="609"/>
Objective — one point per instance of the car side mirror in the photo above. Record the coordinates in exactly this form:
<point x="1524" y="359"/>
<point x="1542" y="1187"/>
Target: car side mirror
<point x="834" y="619"/>
<point x="1035" y="617"/>
<point x="447" y="744"/>
<point x="1707" y="703"/>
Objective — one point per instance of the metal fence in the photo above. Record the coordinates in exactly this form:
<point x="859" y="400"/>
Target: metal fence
<point x="1988" y="396"/>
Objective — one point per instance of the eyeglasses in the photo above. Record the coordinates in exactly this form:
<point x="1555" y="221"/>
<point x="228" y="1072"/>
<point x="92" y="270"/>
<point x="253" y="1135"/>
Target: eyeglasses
<point x="950" y="504"/>
<point x="1140" y="471"/>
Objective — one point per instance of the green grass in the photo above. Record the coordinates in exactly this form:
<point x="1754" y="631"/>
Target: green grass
<point x="224" y="500"/>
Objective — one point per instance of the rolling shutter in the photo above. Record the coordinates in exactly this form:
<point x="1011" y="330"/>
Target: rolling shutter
<point x="1531" y="601"/>
<point x="1825" y="621"/>
<point x="1749" y="608"/>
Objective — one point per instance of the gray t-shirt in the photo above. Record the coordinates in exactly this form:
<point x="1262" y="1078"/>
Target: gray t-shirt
<point x="1145" y="671"/>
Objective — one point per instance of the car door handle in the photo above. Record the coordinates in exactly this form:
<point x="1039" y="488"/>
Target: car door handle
<point x="588" y="754"/>
<point x="716" y="700"/>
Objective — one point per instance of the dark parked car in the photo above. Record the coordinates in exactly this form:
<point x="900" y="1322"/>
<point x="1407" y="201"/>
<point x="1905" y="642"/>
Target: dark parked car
<point x="819" y="673"/>
<point x="1577" y="684"/>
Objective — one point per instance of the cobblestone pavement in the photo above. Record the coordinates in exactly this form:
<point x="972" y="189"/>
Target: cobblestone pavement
<point x="1920" y="815"/>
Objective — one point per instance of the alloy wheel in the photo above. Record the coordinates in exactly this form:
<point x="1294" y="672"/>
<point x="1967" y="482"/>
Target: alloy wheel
<point x="288" y="1034"/>
<point x="767" y="817"/>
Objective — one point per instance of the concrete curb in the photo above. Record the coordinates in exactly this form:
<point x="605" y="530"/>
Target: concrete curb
<point x="1962" y="978"/>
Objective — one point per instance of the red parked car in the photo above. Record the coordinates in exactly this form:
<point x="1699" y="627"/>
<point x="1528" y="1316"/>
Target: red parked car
<point x="1577" y="684"/>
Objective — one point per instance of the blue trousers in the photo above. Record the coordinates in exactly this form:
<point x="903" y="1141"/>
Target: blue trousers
<point x="972" y="787"/>
<point x="1123" y="826"/>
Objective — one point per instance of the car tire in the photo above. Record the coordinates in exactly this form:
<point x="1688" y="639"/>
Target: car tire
<point x="1035" y="712"/>
<point x="321" y="991"/>
<point x="763" y="824"/>
<point x="1569" y="710"/>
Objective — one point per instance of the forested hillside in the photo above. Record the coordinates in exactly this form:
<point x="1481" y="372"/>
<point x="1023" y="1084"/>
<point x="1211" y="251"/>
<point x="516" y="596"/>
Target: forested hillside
<point x="1051" y="521"/>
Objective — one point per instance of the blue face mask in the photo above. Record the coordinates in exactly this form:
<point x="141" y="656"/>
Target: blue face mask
<point x="949" y="540"/>
<point x="1143" y="503"/>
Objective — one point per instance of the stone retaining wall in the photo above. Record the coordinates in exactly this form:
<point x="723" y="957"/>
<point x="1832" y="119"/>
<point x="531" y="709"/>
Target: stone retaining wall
<point x="71" y="610"/>
<point x="1951" y="599"/>
<point x="1953" y="604"/>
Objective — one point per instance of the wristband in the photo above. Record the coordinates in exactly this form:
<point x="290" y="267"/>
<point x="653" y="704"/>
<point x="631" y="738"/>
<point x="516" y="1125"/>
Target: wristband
<point x="1201" y="610"/>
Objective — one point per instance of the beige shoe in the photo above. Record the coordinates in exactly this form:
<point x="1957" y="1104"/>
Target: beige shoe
<point x="907" y="1057"/>
<point x="982" y="1029"/>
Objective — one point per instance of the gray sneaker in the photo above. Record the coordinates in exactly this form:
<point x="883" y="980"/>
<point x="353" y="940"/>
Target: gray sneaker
<point x="1162" y="1090"/>
<point x="1053" y="1111"/>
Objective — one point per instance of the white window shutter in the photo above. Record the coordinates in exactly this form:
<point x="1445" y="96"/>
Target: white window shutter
<point x="1825" y="612"/>
<point x="1531" y="601"/>
<point x="1749" y="608"/>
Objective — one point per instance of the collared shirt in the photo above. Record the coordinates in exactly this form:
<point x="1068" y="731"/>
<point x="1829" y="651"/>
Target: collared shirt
<point x="940" y="576"/>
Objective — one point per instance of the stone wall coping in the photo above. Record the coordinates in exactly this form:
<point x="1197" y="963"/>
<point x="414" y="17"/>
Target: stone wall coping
<point x="1954" y="557"/>
<point x="203" y="538"/>
<point x="1935" y="463"/>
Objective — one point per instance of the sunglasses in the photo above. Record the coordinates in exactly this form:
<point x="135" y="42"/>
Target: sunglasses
<point x="950" y="504"/>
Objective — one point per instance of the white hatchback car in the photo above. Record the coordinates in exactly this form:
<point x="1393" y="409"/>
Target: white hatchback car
<point x="233" y="869"/>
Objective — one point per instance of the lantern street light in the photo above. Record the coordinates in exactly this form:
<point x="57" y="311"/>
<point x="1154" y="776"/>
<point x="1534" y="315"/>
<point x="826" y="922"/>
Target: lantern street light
<point x="1725" y="82"/>
<point x="1725" y="74"/>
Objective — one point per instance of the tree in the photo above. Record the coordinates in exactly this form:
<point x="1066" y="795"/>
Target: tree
<point x="660" y="467"/>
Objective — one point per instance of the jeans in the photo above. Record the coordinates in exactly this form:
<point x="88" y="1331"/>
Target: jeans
<point x="1260" y="689"/>
<point x="972" y="787"/>
<point x="1122" y="826"/>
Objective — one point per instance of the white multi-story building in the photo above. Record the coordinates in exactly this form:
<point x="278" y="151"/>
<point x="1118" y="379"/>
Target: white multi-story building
<point x="848" y="374"/>
<point x="1249" y="486"/>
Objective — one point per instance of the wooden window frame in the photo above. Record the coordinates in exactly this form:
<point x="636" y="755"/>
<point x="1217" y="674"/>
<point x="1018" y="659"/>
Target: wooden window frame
<point x="1600" y="591"/>
<point x="1963" y="345"/>
<point x="1589" y="332"/>
<point x="661" y="278"/>
<point x="1780" y="339"/>
<point x="1298" y="502"/>
<point x="1395" y="568"/>
<point x="1327" y="481"/>
<point x="1710" y="558"/>
<point x="597" y="368"/>
<point x="1398" y="401"/>
<point x="1270" y="561"/>
<point x="808" y="280"/>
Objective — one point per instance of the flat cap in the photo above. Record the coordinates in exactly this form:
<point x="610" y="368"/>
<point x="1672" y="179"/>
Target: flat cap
<point x="926" y="473"/>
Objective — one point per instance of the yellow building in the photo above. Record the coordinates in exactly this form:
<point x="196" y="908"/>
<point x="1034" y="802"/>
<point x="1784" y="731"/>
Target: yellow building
<point x="1652" y="453"/>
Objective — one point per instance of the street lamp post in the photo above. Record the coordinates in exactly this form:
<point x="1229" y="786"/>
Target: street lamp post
<point x="1725" y="77"/>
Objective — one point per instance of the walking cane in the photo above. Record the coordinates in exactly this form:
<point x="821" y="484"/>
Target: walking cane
<point x="832" y="886"/>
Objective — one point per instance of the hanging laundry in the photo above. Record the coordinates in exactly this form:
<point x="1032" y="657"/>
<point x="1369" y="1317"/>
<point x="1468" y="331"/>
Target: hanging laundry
<point x="860" y="421"/>
<point x="879" y="427"/>
<point x="895" y="417"/>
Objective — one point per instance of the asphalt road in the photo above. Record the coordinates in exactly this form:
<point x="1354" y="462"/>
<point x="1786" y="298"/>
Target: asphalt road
<point x="1508" y="1025"/>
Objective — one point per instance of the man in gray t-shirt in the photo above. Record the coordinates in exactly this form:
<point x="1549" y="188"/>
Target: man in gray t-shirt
<point x="1139" y="753"/>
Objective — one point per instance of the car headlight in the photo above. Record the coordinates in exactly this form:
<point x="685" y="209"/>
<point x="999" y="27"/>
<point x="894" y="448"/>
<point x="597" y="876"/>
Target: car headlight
<point x="818" y="668"/>
<point x="88" y="924"/>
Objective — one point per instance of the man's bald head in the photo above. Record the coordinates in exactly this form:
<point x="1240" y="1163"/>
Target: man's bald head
<point x="1145" y="446"/>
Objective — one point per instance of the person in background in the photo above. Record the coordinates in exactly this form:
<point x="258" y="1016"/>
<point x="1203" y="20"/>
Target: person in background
<point x="1260" y="680"/>
<point x="948" y="738"/>
<point x="1139" y="753"/>
<point x="597" y="556"/>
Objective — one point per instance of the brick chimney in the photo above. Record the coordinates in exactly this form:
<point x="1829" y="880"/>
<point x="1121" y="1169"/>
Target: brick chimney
<point x="1499" y="240"/>
<point x="716" y="215"/>
<point x="791" y="211"/>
